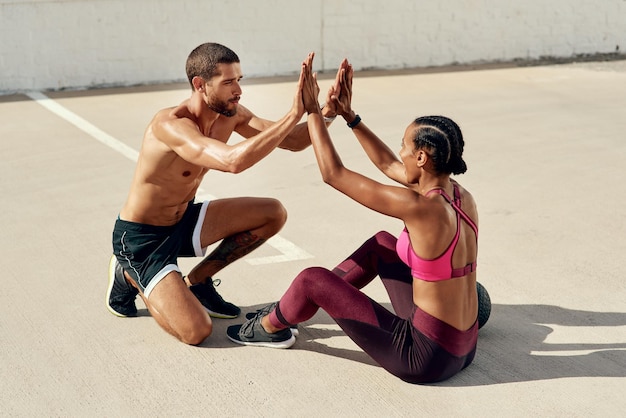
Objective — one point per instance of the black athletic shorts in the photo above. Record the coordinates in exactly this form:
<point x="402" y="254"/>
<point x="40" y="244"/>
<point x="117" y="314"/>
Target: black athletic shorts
<point x="148" y="253"/>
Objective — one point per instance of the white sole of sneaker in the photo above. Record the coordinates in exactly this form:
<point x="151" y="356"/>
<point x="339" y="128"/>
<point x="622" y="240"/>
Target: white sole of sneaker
<point x="219" y="315"/>
<point x="234" y="329"/>
<point x="110" y="288"/>
<point x="283" y="344"/>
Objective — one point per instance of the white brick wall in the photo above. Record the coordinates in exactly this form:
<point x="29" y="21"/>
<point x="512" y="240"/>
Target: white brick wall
<point x="56" y="44"/>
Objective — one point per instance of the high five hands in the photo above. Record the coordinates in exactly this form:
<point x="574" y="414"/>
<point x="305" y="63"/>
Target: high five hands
<point x="339" y="96"/>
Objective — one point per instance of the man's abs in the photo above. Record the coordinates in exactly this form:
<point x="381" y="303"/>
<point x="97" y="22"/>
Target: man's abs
<point x="159" y="206"/>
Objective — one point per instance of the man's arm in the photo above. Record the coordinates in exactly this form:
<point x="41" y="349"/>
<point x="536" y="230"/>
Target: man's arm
<point x="297" y="140"/>
<point x="184" y="137"/>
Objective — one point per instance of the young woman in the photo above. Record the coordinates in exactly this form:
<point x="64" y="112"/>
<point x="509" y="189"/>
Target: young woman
<point x="429" y="271"/>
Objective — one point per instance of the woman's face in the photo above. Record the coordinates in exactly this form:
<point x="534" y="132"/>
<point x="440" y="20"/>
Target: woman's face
<point x="407" y="155"/>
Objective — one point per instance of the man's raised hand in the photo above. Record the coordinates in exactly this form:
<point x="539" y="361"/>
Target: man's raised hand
<point x="310" y="88"/>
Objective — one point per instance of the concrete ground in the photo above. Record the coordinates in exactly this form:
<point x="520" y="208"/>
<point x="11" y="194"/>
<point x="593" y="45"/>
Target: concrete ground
<point x="545" y="147"/>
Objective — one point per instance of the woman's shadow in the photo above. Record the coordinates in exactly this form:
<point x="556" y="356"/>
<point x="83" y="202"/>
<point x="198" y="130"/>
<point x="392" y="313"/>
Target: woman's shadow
<point x="512" y="345"/>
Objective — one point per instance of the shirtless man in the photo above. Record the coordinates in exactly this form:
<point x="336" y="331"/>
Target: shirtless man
<point x="160" y="221"/>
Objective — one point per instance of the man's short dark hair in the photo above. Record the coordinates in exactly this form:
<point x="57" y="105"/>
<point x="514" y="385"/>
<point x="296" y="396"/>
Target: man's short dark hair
<point x="203" y="60"/>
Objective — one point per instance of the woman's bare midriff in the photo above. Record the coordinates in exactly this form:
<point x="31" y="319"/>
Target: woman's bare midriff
<point x="451" y="301"/>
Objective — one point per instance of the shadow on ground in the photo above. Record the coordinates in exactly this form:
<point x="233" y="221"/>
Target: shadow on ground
<point x="512" y="346"/>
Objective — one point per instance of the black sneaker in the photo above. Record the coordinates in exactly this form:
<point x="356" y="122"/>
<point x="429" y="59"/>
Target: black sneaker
<point x="484" y="305"/>
<point x="252" y="333"/>
<point x="120" y="298"/>
<point x="265" y="311"/>
<point x="213" y="302"/>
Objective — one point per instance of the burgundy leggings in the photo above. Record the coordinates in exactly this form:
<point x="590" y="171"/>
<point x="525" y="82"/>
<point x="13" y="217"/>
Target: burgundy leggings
<point x="411" y="345"/>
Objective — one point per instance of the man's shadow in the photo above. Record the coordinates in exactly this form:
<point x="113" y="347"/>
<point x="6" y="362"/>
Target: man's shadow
<point x="512" y="345"/>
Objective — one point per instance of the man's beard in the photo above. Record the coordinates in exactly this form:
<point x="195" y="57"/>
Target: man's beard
<point x="221" y="107"/>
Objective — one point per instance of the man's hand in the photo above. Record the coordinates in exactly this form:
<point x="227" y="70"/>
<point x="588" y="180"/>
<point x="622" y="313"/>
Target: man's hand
<point x="310" y="89"/>
<point x="298" y="104"/>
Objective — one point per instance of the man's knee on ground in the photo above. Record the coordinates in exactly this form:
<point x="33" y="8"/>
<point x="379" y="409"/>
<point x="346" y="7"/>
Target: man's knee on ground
<point x="197" y="334"/>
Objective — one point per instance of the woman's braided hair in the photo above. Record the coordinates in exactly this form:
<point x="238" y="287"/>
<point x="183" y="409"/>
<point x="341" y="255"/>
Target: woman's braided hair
<point x="441" y="137"/>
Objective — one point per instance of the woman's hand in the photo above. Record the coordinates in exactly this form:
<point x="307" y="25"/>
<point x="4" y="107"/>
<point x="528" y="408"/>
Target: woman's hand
<point x="330" y="106"/>
<point x="342" y="95"/>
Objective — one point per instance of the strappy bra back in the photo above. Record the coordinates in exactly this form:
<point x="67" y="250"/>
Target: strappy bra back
<point x="439" y="268"/>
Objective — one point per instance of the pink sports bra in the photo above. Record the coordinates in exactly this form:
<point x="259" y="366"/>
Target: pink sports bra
<point x="439" y="268"/>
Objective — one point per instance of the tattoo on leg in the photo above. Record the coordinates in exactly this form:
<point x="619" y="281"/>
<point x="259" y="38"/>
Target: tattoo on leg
<point x="230" y="249"/>
<point x="236" y="246"/>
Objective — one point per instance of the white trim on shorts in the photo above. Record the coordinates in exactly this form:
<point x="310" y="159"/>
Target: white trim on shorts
<point x="199" y="251"/>
<point x="160" y="276"/>
<point x="195" y="239"/>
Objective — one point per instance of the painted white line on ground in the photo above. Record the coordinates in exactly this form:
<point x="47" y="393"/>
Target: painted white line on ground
<point x="574" y="340"/>
<point x="84" y="125"/>
<point x="289" y="250"/>
<point x="572" y="353"/>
